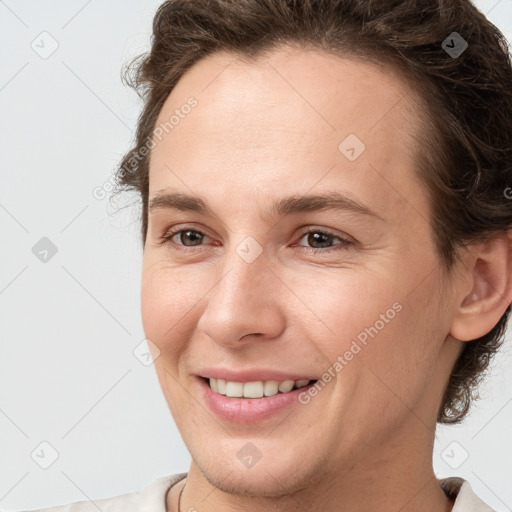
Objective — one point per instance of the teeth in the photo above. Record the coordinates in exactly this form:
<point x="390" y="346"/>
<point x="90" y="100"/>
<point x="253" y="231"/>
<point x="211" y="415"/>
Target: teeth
<point x="255" y="389"/>
<point x="252" y="389"/>
<point x="221" y="386"/>
<point x="234" y="389"/>
<point x="286" y="386"/>
<point x="271" y="388"/>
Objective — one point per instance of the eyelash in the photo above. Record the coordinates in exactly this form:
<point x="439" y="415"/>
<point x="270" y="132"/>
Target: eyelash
<point x="345" y="243"/>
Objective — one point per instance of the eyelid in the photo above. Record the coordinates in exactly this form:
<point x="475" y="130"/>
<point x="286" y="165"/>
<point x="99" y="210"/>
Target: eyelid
<point x="345" y="243"/>
<point x="327" y="231"/>
<point x="174" y="230"/>
<point x="171" y="232"/>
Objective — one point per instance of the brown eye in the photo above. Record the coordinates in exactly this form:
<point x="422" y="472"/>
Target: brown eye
<point x="323" y="241"/>
<point x="190" y="234"/>
<point x="183" y="238"/>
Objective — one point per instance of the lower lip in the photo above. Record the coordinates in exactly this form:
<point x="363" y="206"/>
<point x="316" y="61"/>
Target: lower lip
<point x="247" y="410"/>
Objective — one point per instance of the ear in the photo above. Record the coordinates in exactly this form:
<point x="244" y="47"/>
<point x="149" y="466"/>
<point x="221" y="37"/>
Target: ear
<point x="486" y="293"/>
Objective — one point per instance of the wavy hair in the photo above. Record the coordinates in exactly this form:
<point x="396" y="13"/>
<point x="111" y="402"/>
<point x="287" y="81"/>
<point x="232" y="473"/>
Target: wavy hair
<point x="464" y="157"/>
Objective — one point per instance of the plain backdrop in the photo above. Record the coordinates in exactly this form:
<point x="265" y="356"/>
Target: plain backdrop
<point x="82" y="415"/>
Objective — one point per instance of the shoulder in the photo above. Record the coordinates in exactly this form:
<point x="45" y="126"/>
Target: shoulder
<point x="466" y="500"/>
<point x="150" y="498"/>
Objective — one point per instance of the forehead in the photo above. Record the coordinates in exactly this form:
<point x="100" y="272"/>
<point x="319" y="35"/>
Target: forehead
<point x="284" y="118"/>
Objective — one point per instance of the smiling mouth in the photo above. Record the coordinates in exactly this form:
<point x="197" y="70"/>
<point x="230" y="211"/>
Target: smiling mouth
<point x="256" y="389"/>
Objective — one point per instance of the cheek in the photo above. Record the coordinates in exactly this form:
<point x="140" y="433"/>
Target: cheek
<point x="399" y="354"/>
<point x="353" y="307"/>
<point x="376" y="325"/>
<point x="168" y="298"/>
<point x="168" y="316"/>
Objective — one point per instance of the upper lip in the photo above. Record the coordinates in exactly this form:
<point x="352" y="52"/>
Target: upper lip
<point x="251" y="375"/>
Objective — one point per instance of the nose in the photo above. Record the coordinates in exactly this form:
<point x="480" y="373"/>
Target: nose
<point x="245" y="303"/>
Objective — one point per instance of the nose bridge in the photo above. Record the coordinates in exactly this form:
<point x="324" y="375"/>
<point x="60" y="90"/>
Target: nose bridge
<point x="243" y="300"/>
<point x="244" y="272"/>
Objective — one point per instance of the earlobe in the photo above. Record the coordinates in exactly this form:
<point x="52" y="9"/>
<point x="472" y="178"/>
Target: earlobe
<point x="490" y="288"/>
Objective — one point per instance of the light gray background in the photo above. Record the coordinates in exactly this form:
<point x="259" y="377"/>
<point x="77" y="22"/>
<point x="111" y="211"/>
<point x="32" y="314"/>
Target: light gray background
<point x="68" y="374"/>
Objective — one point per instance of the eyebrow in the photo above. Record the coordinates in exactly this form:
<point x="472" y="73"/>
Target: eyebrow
<point x="285" y="206"/>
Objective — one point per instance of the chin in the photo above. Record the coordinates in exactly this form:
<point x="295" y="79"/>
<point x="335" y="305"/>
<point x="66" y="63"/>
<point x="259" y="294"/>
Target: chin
<point x="271" y="478"/>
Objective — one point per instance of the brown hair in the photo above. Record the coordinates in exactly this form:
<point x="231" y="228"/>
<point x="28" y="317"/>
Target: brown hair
<point x="464" y="157"/>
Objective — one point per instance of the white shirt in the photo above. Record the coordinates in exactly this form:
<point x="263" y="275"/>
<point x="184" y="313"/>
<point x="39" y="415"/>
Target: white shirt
<point x="152" y="498"/>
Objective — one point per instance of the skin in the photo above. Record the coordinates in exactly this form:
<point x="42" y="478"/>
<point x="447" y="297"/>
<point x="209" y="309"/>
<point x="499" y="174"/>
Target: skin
<point x="263" y="131"/>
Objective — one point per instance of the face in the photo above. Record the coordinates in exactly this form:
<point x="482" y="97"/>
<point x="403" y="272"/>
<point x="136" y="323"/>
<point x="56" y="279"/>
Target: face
<point x="353" y="291"/>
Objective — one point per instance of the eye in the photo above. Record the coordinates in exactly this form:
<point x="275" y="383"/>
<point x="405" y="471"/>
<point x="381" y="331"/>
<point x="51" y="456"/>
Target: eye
<point x="187" y="238"/>
<point x="183" y="236"/>
<point x="323" y="238"/>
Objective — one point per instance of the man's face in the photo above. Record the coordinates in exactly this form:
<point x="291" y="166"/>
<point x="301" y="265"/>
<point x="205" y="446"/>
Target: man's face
<point x="241" y="287"/>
